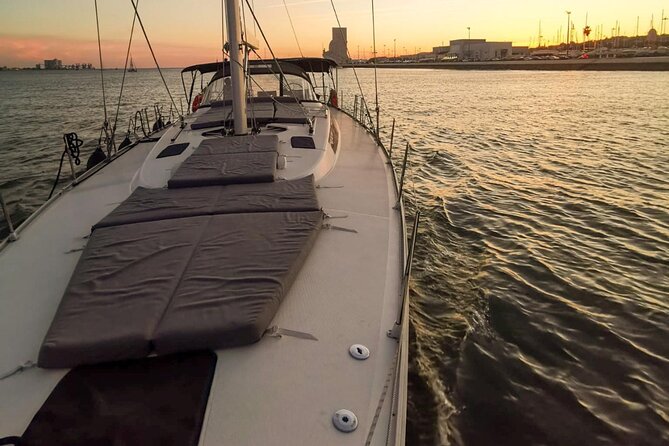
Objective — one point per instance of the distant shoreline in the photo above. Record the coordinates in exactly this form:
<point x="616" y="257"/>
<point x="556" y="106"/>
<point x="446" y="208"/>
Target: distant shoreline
<point x="660" y="63"/>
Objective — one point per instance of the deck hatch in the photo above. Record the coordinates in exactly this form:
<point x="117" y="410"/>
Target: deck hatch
<point x="302" y="142"/>
<point x="173" y="150"/>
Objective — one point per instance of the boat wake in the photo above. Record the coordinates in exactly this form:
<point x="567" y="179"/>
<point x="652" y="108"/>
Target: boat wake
<point x="540" y="302"/>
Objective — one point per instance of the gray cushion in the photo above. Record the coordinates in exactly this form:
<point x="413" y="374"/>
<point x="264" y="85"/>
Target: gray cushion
<point x="236" y="280"/>
<point x="238" y="144"/>
<point x="178" y="284"/>
<point x="235" y="168"/>
<point x="161" y="204"/>
<point x="118" y="291"/>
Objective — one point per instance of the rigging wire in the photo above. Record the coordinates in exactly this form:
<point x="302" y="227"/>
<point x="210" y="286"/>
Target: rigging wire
<point x="222" y="32"/>
<point x="125" y="69"/>
<point x="293" y="28"/>
<point x="139" y="18"/>
<point x="355" y="73"/>
<point x="376" y="84"/>
<point x="102" y="76"/>
<point x="260" y="87"/>
<point x="262" y="33"/>
<point x="247" y="72"/>
<point x="280" y="104"/>
<point x="253" y="4"/>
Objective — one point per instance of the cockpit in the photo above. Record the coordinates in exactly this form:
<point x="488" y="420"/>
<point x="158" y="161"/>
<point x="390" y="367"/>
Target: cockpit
<point x="269" y="85"/>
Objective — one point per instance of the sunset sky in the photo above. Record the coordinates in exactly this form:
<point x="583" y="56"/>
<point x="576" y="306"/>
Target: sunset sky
<point x="189" y="31"/>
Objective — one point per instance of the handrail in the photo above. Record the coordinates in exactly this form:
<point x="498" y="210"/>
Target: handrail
<point x="392" y="137"/>
<point x="404" y="168"/>
<point x="395" y="332"/>
<point x="13" y="236"/>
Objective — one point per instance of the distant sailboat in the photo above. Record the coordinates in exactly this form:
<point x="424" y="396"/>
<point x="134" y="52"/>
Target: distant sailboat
<point x="132" y="68"/>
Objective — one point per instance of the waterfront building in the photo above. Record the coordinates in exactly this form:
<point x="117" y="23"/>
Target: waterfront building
<point x="53" y="64"/>
<point x="480" y="49"/>
<point x="440" y="51"/>
<point x="338" y="48"/>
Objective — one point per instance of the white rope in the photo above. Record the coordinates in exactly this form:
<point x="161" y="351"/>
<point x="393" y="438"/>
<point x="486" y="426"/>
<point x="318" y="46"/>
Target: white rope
<point x="25" y="366"/>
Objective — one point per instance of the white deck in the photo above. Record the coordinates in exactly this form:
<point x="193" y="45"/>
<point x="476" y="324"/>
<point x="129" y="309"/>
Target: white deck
<point x="280" y="391"/>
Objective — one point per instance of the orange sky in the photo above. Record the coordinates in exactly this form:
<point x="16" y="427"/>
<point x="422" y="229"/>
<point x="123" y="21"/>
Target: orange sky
<point x="189" y="31"/>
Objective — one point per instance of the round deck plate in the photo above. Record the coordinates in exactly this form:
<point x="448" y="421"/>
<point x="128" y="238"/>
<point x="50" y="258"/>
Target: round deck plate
<point x="359" y="351"/>
<point x="345" y="420"/>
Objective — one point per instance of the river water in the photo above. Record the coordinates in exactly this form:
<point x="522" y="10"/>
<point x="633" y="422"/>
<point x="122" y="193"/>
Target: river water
<point x="540" y="300"/>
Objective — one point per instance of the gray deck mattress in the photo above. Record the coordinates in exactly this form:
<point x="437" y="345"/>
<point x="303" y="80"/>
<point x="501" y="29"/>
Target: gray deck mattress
<point x="238" y="144"/>
<point x="232" y="168"/>
<point x="236" y="280"/>
<point x="160" y="204"/>
<point x="203" y="264"/>
<point x="179" y="284"/>
<point x="120" y="287"/>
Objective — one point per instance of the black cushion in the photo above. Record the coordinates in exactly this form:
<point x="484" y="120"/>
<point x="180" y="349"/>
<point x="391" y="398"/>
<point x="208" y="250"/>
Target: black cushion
<point x="149" y="402"/>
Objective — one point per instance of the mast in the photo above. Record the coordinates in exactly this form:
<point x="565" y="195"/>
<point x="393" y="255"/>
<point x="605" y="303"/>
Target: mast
<point x="236" y="52"/>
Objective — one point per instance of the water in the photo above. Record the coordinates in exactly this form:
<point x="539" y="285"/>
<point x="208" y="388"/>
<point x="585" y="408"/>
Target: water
<point x="540" y="311"/>
<point x="37" y="107"/>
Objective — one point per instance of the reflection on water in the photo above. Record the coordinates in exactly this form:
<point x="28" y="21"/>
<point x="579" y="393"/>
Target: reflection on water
<point x="541" y="295"/>
<point x="540" y="303"/>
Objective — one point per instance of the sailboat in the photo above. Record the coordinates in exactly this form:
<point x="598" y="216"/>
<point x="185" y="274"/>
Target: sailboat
<point x="131" y="66"/>
<point x="238" y="278"/>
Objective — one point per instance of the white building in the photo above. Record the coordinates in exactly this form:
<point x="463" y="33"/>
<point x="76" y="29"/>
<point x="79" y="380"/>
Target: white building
<point x="479" y="49"/>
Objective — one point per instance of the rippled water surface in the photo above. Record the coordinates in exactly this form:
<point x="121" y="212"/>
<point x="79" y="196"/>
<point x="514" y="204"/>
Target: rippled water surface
<point x="540" y="303"/>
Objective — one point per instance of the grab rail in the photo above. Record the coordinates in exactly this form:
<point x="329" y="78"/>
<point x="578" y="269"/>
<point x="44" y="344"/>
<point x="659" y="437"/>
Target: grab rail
<point x="396" y="331"/>
<point x="13" y="236"/>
